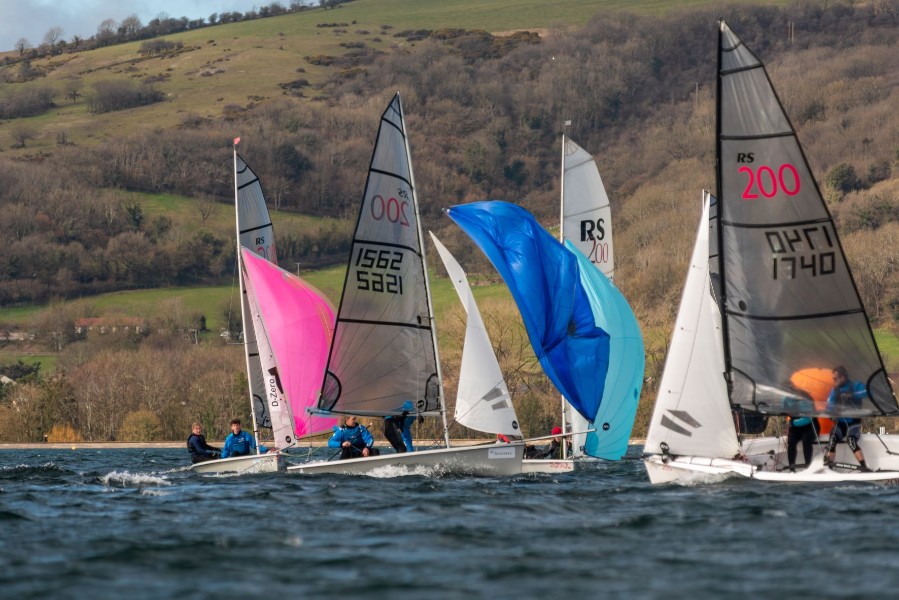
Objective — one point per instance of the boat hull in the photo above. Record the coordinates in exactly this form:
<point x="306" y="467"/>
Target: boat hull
<point x="491" y="460"/>
<point x="271" y="462"/>
<point x="536" y="465"/>
<point x="765" y="460"/>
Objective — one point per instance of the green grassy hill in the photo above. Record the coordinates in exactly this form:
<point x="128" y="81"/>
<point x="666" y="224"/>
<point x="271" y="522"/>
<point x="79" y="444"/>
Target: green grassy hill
<point x="243" y="64"/>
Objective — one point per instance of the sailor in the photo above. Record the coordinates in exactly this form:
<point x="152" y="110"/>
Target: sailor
<point x="199" y="450"/>
<point x="398" y="429"/>
<point x="552" y="451"/>
<point x="353" y="439"/>
<point x="240" y="443"/>
<point x="846" y="394"/>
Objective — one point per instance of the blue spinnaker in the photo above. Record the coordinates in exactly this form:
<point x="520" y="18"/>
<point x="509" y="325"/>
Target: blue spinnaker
<point x="627" y="359"/>
<point x="544" y="280"/>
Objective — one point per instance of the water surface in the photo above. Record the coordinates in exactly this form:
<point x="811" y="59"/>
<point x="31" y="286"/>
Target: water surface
<point x="133" y="523"/>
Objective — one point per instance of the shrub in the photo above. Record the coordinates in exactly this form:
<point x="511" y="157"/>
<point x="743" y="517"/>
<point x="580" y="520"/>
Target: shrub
<point x="843" y="178"/>
<point x="140" y="426"/>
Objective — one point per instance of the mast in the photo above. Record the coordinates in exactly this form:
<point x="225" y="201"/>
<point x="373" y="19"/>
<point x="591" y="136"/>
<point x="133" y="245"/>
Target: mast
<point x="424" y="263"/>
<point x="719" y="215"/>
<point x="562" y="240"/>
<point x="243" y="309"/>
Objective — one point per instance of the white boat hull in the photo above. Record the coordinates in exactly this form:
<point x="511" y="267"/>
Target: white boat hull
<point x="537" y="465"/>
<point x="490" y="460"/>
<point x="765" y="460"/>
<point x="271" y="462"/>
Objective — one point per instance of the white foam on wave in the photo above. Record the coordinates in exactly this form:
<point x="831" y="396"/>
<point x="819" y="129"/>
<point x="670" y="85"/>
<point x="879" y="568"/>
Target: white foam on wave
<point x="390" y="471"/>
<point x="127" y="479"/>
<point x="152" y="492"/>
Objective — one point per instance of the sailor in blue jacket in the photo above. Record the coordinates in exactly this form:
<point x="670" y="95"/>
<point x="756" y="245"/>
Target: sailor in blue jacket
<point x="239" y="443"/>
<point x="846" y="394"/>
<point x="354" y="440"/>
<point x="398" y="429"/>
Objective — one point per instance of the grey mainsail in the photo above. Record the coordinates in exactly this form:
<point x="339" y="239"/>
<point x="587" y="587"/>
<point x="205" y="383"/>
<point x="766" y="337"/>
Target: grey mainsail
<point x="383" y="352"/>
<point x="790" y="302"/>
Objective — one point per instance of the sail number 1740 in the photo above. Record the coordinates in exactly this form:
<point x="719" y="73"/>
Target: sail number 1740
<point x="808" y="250"/>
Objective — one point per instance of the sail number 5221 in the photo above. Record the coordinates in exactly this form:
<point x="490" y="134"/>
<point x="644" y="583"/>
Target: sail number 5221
<point x="378" y="280"/>
<point x="763" y="180"/>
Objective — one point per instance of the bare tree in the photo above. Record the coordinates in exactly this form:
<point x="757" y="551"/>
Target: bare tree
<point x="53" y="35"/>
<point x="22" y="134"/>
<point x="130" y="27"/>
<point x="106" y="31"/>
<point x="73" y="89"/>
<point x="22" y="45"/>
<point x="205" y="206"/>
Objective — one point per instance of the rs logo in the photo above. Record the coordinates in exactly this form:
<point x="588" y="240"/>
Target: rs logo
<point x="588" y="227"/>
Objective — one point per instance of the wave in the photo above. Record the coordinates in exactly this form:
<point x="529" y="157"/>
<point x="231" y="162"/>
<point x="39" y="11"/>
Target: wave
<point x="126" y="479"/>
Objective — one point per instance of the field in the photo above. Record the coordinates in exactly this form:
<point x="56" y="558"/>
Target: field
<point x="243" y="64"/>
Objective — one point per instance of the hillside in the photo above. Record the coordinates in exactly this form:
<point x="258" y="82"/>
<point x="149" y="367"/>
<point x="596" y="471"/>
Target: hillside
<point x="484" y="113"/>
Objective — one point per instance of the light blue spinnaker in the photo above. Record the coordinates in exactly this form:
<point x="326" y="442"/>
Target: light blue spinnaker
<point x="621" y="394"/>
<point x="544" y="279"/>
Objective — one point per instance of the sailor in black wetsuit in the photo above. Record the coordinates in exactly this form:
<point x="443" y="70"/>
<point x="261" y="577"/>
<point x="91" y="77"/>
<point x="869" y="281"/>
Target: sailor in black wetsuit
<point x="199" y="450"/>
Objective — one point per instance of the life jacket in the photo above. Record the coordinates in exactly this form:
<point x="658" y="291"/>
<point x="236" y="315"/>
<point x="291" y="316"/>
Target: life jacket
<point x="240" y="446"/>
<point x="189" y="447"/>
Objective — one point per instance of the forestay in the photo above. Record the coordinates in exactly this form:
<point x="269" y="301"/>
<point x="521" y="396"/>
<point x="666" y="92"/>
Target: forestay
<point x="298" y="321"/>
<point x="383" y="352"/>
<point x="791" y="303"/>
<point x="544" y="280"/>
<point x="621" y="393"/>
<point x="483" y="401"/>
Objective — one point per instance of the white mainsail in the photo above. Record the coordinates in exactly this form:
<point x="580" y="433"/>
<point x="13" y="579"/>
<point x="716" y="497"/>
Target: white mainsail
<point x="692" y="413"/>
<point x="483" y="401"/>
<point x="586" y="214"/>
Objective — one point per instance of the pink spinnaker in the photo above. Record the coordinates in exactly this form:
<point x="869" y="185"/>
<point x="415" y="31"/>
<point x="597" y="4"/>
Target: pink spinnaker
<point x="299" y="322"/>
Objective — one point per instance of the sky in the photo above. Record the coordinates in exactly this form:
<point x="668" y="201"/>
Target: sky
<point x="30" y="19"/>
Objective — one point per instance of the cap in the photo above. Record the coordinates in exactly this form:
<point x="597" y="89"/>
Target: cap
<point x="557" y="430"/>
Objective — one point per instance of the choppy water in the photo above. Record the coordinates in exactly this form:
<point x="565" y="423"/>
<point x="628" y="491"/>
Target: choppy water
<point x="134" y="524"/>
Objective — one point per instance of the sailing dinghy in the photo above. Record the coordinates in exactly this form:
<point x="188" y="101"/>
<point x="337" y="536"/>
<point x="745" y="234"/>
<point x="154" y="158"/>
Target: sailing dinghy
<point x="769" y="295"/>
<point x="580" y="326"/>
<point x="384" y="350"/>
<point x="586" y="223"/>
<point x="294" y="309"/>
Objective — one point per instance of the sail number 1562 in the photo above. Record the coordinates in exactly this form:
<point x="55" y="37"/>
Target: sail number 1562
<point x="763" y="180"/>
<point x="377" y="280"/>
